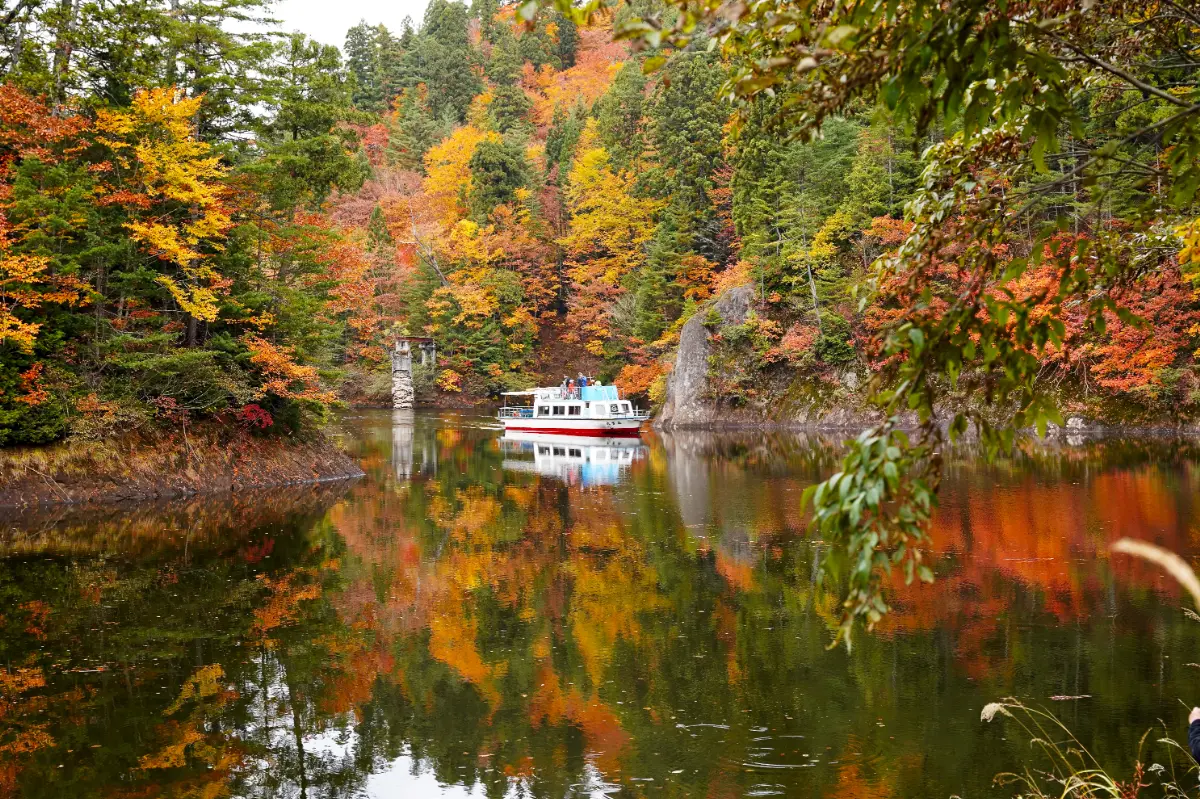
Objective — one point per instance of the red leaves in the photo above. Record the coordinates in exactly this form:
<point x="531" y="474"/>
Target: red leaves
<point x="30" y="129"/>
<point x="253" y="416"/>
<point x="30" y="382"/>
<point x="1127" y="358"/>
<point x="1133" y="359"/>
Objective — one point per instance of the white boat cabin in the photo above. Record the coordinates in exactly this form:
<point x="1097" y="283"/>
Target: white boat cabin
<point x="589" y="402"/>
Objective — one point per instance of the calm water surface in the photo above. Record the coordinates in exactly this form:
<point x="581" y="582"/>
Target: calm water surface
<point x="480" y="617"/>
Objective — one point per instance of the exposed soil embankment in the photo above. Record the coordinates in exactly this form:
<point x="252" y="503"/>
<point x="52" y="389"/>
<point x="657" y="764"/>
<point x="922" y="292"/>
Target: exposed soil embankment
<point x="162" y="466"/>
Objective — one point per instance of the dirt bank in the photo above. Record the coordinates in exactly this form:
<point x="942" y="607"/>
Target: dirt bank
<point x="165" y="465"/>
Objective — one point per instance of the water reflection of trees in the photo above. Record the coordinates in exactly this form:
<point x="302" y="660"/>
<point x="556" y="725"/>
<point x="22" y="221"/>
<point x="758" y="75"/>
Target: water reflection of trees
<point x="504" y="630"/>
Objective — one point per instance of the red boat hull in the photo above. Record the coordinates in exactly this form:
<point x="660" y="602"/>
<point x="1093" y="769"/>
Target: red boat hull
<point x="603" y="432"/>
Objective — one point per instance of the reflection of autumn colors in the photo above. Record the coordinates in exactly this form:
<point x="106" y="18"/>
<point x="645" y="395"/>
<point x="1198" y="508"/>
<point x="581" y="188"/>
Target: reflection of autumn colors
<point x="996" y="532"/>
<point x="502" y="629"/>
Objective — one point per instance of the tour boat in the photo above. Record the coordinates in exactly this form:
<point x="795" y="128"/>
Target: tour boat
<point x="589" y="411"/>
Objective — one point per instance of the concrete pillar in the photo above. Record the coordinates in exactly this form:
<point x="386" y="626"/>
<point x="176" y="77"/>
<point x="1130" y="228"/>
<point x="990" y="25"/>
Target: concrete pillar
<point x="402" y="382"/>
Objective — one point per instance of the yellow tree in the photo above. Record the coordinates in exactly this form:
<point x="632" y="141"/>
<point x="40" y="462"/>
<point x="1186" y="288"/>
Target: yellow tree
<point x="173" y="188"/>
<point x="448" y="173"/>
<point x="608" y="230"/>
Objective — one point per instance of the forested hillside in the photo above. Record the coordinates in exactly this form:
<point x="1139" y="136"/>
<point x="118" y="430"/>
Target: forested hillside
<point x="199" y="223"/>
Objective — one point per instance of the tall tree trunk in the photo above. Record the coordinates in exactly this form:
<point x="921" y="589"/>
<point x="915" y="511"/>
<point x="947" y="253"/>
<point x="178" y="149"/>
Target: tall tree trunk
<point x="812" y="284"/>
<point x="63" y="46"/>
<point x="12" y="15"/>
<point x="18" y="47"/>
<point x="173" y="50"/>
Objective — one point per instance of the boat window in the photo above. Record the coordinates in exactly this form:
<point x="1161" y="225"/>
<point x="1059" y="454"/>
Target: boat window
<point x="614" y="408"/>
<point x="576" y="453"/>
<point x="543" y="410"/>
<point x="558" y="410"/>
<point x="625" y="407"/>
<point x="559" y="451"/>
<point x="543" y="450"/>
<point x="573" y="410"/>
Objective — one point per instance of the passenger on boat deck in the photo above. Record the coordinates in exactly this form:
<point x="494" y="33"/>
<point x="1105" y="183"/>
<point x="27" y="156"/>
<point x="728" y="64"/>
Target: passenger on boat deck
<point x="583" y="381"/>
<point x="1194" y="733"/>
<point x="571" y="388"/>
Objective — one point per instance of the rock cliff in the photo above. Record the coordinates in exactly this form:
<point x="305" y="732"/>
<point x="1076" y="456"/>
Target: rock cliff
<point x="687" y="403"/>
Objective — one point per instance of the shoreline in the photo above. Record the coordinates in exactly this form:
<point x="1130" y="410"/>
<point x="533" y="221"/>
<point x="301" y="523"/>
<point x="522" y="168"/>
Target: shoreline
<point x="851" y="423"/>
<point x="210" y="460"/>
<point x="1091" y="431"/>
<point x="843" y="421"/>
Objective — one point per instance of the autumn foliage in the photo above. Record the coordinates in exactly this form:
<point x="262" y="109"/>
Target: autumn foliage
<point x="537" y="192"/>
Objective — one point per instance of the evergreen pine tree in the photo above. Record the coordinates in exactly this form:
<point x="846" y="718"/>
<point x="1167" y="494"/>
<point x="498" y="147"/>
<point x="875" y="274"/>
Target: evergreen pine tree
<point x="205" y="56"/>
<point x="653" y="281"/>
<point x="498" y="169"/>
<point x="620" y="116"/>
<point x="688" y="122"/>
<point x="362" y="61"/>
<point x="509" y="108"/>
<point x="568" y="40"/>
<point x="441" y="57"/>
<point x="306" y="148"/>
<point x="563" y="137"/>
<point x="412" y="131"/>
<point x="393" y="70"/>
<point x="485" y="12"/>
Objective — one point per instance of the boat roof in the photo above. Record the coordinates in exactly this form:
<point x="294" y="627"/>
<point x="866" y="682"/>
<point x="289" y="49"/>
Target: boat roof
<point x="593" y="393"/>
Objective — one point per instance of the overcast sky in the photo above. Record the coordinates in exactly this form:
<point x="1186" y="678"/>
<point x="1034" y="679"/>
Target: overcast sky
<point x="328" y="20"/>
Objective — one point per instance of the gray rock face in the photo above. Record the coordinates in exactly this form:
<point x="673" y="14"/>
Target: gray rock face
<point x="686" y="403"/>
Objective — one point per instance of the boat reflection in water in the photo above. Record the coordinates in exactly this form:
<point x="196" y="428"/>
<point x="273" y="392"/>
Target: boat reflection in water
<point x="574" y="460"/>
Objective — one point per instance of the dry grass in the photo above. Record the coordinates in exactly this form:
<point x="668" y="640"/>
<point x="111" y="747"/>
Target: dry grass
<point x="1067" y="770"/>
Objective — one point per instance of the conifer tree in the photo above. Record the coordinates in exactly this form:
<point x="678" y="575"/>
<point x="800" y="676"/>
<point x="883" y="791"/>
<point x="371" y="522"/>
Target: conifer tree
<point x="442" y="58"/>
<point x="216" y="49"/>
<point x="498" y="170"/>
<point x="412" y="131"/>
<point x="620" y="115"/>
<point x="567" y="35"/>
<point x="485" y="12"/>
<point x="563" y="138"/>
<point x="363" y="62"/>
<point x="306" y="144"/>
<point x="394" y="71"/>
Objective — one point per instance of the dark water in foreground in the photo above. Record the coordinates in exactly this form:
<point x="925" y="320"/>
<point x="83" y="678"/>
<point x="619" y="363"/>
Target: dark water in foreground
<point x="479" y="618"/>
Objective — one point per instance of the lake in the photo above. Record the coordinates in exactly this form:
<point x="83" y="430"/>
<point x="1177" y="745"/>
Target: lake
<point x="480" y="617"/>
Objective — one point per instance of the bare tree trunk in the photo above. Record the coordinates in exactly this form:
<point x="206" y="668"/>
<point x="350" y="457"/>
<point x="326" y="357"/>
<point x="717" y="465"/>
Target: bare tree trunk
<point x="812" y="284"/>
<point x="63" y="46"/>
<point x="12" y="15"/>
<point x="18" y="45"/>
<point x="173" y="50"/>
